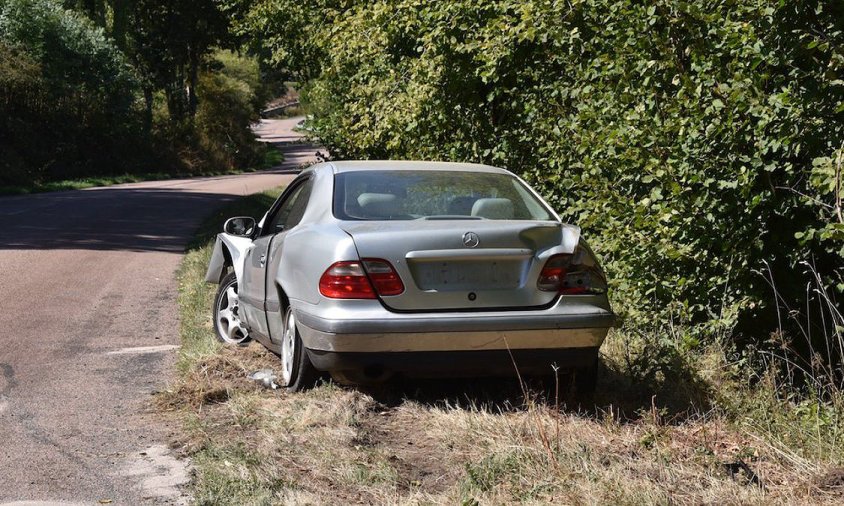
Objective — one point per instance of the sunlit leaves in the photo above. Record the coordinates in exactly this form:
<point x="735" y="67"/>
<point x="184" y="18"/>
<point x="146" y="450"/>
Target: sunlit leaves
<point x="680" y="135"/>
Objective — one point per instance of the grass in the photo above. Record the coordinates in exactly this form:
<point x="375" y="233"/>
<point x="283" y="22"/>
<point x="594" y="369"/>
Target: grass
<point x="272" y="157"/>
<point x="668" y="427"/>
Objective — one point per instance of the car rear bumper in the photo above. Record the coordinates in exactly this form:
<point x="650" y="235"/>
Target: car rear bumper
<point x="550" y="329"/>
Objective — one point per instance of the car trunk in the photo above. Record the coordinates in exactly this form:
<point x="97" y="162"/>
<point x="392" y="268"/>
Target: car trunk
<point x="440" y="272"/>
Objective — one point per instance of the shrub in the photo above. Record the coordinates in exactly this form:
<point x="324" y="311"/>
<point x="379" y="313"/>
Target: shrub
<point x="230" y="92"/>
<point x="69" y="95"/>
<point x="680" y="135"/>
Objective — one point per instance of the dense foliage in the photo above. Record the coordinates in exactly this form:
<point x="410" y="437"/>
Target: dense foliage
<point x="67" y="93"/>
<point x="101" y="87"/>
<point x="694" y="141"/>
<point x="700" y="144"/>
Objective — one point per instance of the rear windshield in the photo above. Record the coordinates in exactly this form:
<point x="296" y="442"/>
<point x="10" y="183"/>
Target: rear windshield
<point x="434" y="194"/>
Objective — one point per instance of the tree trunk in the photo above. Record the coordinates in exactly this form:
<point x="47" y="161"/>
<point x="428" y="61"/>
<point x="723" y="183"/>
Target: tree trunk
<point x="192" y="80"/>
<point x="177" y="100"/>
<point x="148" y="110"/>
<point x="120" y="12"/>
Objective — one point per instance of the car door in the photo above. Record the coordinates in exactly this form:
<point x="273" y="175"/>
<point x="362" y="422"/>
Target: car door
<point x="293" y="218"/>
<point x="253" y="287"/>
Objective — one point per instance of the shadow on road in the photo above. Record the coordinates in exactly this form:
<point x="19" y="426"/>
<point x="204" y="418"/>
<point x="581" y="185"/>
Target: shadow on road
<point x="106" y="219"/>
<point x="155" y="216"/>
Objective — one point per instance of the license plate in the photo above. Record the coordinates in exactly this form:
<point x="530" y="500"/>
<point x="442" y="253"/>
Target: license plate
<point x="452" y="276"/>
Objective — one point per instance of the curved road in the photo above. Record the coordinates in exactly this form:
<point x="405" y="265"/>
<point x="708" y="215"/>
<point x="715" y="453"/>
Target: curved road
<point x="90" y="330"/>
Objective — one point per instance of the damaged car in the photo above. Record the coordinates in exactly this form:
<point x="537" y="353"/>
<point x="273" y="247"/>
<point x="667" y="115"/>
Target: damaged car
<point x="366" y="269"/>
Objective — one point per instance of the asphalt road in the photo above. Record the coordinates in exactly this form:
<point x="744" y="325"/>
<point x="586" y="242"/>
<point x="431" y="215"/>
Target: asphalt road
<point x="89" y="330"/>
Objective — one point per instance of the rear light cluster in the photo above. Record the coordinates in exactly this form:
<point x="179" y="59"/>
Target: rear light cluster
<point x="365" y="279"/>
<point x="576" y="274"/>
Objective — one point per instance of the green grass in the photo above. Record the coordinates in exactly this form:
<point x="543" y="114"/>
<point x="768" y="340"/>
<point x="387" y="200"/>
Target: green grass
<point x="272" y="157"/>
<point x="228" y="471"/>
<point x="88" y="182"/>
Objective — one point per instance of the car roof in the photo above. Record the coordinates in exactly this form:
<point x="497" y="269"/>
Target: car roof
<point x="357" y="165"/>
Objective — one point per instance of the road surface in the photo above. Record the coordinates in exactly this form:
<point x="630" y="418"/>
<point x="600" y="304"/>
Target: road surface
<point x="90" y="330"/>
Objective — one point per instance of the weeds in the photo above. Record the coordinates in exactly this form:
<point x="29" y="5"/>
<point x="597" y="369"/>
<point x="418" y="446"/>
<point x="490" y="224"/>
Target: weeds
<point x="818" y="360"/>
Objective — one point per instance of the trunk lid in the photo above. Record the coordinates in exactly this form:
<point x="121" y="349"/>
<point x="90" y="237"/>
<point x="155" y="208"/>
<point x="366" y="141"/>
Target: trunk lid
<point x="464" y="264"/>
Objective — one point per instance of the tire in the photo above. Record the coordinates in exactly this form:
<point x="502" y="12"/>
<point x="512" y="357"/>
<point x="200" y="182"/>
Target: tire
<point x="297" y="372"/>
<point x="228" y="326"/>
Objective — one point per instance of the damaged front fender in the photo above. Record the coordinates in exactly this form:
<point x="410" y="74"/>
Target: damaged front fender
<point x="228" y="250"/>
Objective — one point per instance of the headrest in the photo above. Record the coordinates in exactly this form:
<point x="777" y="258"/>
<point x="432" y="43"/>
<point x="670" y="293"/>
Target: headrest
<point x="493" y="209"/>
<point x="461" y="206"/>
<point x="379" y="205"/>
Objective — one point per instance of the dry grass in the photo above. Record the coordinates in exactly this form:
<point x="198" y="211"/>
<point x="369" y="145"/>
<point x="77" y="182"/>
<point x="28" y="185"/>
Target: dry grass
<point x="422" y="444"/>
<point x="686" y="435"/>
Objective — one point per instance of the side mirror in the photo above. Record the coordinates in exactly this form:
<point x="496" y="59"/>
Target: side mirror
<point x="241" y="226"/>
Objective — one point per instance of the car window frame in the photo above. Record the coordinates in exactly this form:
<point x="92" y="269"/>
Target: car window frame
<point x="282" y="199"/>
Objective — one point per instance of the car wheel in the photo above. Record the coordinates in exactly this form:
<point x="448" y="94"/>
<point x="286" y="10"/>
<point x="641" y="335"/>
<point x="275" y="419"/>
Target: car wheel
<point x="230" y="328"/>
<point x="297" y="372"/>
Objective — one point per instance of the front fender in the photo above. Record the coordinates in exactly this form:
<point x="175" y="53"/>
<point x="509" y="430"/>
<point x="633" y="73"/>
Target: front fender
<point x="228" y="250"/>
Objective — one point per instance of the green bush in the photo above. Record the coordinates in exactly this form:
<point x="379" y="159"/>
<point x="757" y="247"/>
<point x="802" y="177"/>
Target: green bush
<point x="681" y="135"/>
<point x="20" y="80"/>
<point x="230" y="98"/>
<point x="68" y="103"/>
<point x="82" y="97"/>
<point x="218" y="138"/>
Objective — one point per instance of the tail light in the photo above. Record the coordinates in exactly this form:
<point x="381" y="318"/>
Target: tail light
<point x="360" y="280"/>
<point x="346" y="280"/>
<point x="552" y="275"/>
<point x="576" y="274"/>
<point x="383" y="276"/>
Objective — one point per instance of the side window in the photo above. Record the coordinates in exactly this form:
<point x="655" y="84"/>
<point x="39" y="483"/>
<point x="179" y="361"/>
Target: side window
<point x="290" y="212"/>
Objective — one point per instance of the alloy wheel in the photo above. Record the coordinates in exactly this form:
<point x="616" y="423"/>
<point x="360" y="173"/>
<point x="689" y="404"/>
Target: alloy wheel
<point x="230" y="328"/>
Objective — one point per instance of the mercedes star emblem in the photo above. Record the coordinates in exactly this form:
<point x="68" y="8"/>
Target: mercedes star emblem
<point x="471" y="239"/>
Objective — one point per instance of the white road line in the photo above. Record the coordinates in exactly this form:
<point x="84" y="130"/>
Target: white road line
<point x="143" y="349"/>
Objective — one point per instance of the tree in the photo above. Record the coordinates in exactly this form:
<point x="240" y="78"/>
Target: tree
<point x="69" y="92"/>
<point x="169" y="40"/>
<point x="681" y="136"/>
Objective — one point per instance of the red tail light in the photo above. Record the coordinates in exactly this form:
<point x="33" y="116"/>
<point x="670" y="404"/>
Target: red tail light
<point x="346" y="280"/>
<point x="572" y="275"/>
<point x="355" y="280"/>
<point x="552" y="275"/>
<point x="383" y="276"/>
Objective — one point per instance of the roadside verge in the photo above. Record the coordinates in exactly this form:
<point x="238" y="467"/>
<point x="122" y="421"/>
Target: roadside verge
<point x="451" y="442"/>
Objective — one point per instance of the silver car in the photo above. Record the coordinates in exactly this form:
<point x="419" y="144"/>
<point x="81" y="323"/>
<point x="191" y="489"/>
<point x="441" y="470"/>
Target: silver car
<point x="362" y="269"/>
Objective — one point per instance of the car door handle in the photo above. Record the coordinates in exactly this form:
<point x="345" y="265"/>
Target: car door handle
<point x="263" y="259"/>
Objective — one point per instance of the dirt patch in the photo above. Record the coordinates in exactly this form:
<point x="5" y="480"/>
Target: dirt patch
<point x="420" y="459"/>
<point x="214" y="377"/>
<point x="831" y="481"/>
